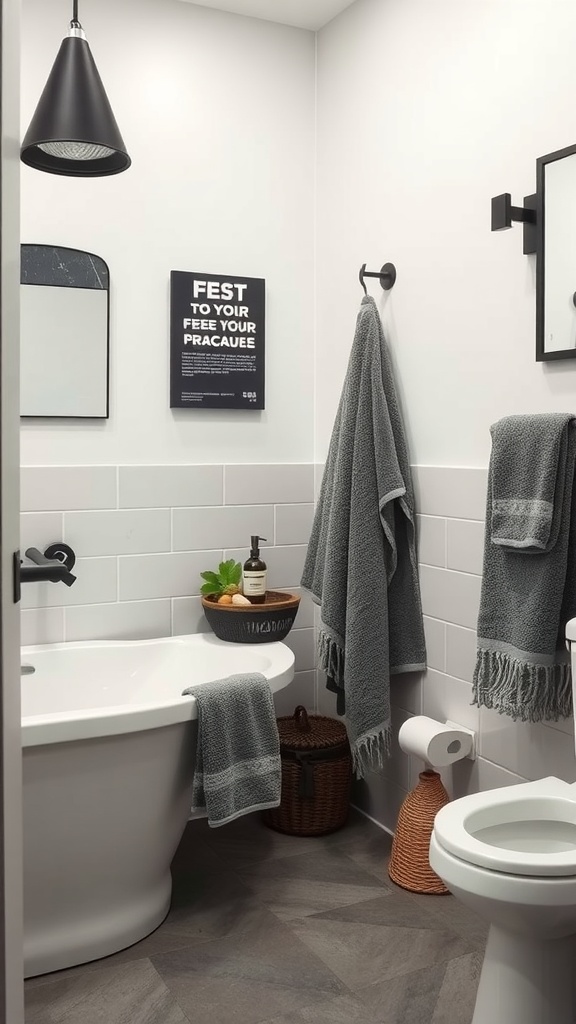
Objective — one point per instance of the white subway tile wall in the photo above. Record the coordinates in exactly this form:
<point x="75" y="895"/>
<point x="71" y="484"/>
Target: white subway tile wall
<point x="142" y="620"/>
<point x="170" y="574"/>
<point x="63" y="488"/>
<point x="96" y="583"/>
<point x="305" y="614"/>
<point x="449" y="595"/>
<point x="450" y="491"/>
<point x="188" y="616"/>
<point x="42" y="626"/>
<point x="301" y="641"/>
<point x="293" y="523"/>
<point x="221" y="527"/>
<point x="118" y="533"/>
<point x="264" y="485"/>
<point x="169" y="486"/>
<point x="431" y="540"/>
<point x="39" y="529"/>
<point x="435" y="632"/>
<point x="143" y="534"/>
<point x="445" y="697"/>
<point x="299" y="691"/>
<point x="460" y="652"/>
<point x="406" y="692"/>
<point x="465" y="545"/>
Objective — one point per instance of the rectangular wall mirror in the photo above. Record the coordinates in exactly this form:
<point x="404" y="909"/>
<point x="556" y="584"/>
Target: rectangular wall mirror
<point x="64" y="333"/>
<point x="556" y="255"/>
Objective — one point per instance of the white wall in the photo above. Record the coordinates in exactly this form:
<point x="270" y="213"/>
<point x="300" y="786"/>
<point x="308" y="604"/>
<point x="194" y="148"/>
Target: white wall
<point x="217" y="112"/>
<point x="426" y="111"/>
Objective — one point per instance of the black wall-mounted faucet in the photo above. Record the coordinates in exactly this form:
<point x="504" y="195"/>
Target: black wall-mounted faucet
<point x="44" y="569"/>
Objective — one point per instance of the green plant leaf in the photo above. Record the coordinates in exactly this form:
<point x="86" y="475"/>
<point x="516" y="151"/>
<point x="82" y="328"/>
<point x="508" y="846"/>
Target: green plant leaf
<point x="229" y="573"/>
<point x="225" y="571"/>
<point x="210" y="588"/>
<point x="210" y="577"/>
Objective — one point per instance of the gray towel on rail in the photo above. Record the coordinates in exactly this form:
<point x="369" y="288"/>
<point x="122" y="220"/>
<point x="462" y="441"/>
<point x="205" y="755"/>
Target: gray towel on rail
<point x="238" y="767"/>
<point x="361" y="565"/>
<point x="529" y="581"/>
<point x="528" y="473"/>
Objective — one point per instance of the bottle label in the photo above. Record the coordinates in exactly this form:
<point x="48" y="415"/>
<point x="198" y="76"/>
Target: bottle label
<point x="254" y="583"/>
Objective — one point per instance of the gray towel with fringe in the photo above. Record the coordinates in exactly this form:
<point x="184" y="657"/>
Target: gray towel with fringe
<point x="361" y="564"/>
<point x="529" y="581"/>
<point x="238" y="768"/>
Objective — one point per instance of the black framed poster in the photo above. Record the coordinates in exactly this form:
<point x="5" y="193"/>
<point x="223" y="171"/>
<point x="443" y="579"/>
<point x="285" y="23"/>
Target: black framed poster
<point x="216" y="341"/>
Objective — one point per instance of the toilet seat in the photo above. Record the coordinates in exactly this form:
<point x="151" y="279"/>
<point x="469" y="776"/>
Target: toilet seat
<point x="529" y="829"/>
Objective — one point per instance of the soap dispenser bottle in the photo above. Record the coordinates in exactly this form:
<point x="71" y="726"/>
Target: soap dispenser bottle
<point x="254" y="574"/>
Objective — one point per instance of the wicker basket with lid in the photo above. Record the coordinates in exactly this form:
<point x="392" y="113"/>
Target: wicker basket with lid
<point x="316" y="775"/>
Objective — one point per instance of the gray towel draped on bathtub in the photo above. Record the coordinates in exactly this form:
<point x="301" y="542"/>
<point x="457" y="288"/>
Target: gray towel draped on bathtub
<point x="238" y="768"/>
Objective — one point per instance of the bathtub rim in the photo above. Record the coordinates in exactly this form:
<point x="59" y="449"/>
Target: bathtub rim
<point x="119" y="719"/>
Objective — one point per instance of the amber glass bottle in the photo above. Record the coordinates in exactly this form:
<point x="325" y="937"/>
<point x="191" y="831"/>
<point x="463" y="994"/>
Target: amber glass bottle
<point x="254" y="574"/>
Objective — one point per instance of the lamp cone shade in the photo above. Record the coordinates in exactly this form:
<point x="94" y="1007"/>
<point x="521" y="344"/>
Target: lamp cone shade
<point x="409" y="861"/>
<point x="73" y="130"/>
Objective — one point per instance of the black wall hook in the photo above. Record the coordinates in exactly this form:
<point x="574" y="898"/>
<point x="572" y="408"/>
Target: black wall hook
<point x="386" y="275"/>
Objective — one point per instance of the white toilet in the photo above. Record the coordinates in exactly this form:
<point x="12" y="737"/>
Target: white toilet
<point x="510" y="855"/>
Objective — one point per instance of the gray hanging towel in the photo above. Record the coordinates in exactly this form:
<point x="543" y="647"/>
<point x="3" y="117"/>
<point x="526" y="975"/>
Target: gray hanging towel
<point x="529" y="581"/>
<point x="361" y="564"/>
<point x="238" y="768"/>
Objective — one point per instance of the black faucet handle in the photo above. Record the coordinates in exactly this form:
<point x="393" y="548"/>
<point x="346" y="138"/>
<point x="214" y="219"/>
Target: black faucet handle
<point x="55" y="554"/>
<point x="44" y="567"/>
<point x="62" y="553"/>
<point x="36" y="556"/>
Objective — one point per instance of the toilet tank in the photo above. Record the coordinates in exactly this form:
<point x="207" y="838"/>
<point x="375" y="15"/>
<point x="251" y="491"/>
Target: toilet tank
<point x="571" y="645"/>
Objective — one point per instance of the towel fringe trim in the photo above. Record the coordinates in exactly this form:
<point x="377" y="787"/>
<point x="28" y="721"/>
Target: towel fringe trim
<point x="331" y="657"/>
<point x="525" y="692"/>
<point x="370" y="751"/>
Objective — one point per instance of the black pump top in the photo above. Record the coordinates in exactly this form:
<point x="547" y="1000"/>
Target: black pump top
<point x="255" y="548"/>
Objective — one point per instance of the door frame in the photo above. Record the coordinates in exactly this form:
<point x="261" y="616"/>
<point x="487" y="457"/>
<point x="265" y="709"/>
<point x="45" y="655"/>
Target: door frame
<point x="11" y="929"/>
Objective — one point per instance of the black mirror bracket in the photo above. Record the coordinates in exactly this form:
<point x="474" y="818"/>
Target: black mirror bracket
<point x="503" y="213"/>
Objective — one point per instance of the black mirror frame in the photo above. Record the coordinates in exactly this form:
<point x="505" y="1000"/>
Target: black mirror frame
<point x="541" y="162"/>
<point x="56" y="276"/>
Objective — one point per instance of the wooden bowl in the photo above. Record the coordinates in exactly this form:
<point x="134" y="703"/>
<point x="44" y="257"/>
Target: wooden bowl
<point x="255" y="623"/>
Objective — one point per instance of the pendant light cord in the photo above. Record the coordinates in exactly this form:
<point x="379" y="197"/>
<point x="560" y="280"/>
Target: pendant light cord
<point x="75" y="21"/>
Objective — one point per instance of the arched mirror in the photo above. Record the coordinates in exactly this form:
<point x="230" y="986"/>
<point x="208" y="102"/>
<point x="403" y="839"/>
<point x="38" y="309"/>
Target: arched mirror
<point x="64" y="333"/>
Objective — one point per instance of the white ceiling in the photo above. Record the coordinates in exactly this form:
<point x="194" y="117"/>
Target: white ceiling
<point x="311" y="14"/>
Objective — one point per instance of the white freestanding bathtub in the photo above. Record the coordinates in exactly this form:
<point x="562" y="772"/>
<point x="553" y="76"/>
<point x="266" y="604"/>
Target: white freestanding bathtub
<point x="109" y="746"/>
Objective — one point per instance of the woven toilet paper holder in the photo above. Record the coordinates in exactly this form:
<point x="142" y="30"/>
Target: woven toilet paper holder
<point x="439" y="744"/>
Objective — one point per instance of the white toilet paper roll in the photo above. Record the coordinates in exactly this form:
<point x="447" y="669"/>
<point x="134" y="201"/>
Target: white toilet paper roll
<point x="434" y="742"/>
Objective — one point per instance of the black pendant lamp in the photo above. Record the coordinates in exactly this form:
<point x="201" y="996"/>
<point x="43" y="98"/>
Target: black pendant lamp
<point x="74" y="131"/>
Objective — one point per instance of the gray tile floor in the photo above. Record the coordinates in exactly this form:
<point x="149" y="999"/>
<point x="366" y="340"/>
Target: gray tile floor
<point x="271" y="929"/>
